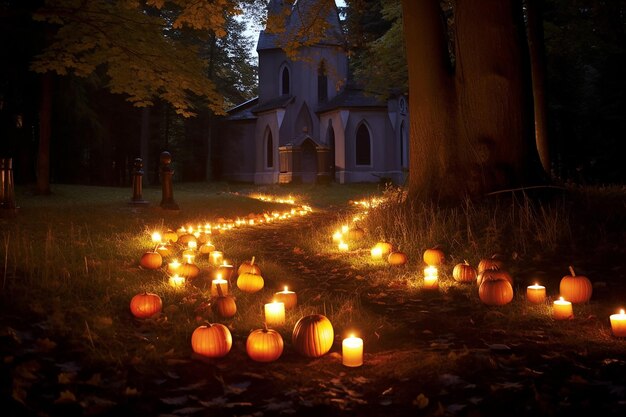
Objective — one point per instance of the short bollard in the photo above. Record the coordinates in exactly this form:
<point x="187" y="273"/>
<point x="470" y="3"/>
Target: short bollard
<point x="7" y="188"/>
<point x="167" y="200"/>
<point x="137" y="198"/>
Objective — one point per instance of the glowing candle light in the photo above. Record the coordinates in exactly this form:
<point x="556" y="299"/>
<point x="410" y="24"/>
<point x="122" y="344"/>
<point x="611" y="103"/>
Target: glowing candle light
<point x="275" y="313"/>
<point x="343" y="246"/>
<point x="189" y="258"/>
<point x="618" y="324"/>
<point x="173" y="267"/>
<point x="192" y="245"/>
<point x="289" y="298"/>
<point x="377" y="252"/>
<point x="536" y="293"/>
<point x="216" y="258"/>
<point x="222" y="283"/>
<point x="225" y="270"/>
<point x="344" y="229"/>
<point x="352" y="351"/>
<point x="431" y="278"/>
<point x="337" y="236"/>
<point x="156" y="237"/>
<point x="177" y="281"/>
<point x="562" y="309"/>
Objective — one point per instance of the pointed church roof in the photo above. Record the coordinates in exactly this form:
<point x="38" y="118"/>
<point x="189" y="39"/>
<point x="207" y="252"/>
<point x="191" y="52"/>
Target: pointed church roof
<point x="351" y="97"/>
<point x="301" y="12"/>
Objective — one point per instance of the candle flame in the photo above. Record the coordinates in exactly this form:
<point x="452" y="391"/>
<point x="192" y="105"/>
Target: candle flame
<point x="561" y="299"/>
<point x="621" y="311"/>
<point x="219" y="276"/>
<point x="156" y="237"/>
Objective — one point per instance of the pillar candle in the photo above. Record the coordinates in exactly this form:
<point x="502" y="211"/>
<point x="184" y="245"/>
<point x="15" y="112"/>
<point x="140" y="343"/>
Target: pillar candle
<point x="562" y="309"/>
<point x="343" y="246"/>
<point x="618" y="324"/>
<point x="177" y="281"/>
<point x="223" y="286"/>
<point x="352" y="351"/>
<point x="173" y="267"/>
<point x="226" y="271"/>
<point x="289" y="298"/>
<point x="275" y="313"/>
<point x="431" y="278"/>
<point x="536" y="293"/>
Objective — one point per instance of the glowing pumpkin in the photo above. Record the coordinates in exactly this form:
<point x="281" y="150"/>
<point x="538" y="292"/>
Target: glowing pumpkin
<point x="207" y="248"/>
<point x="145" y="305"/>
<point x="186" y="238"/>
<point x="496" y="292"/>
<point x="264" y="345"/>
<point x="494" y="262"/>
<point x="188" y="270"/>
<point x="397" y="258"/>
<point x="212" y="340"/>
<point x="249" y="267"/>
<point x="385" y="248"/>
<point x="151" y="260"/>
<point x="356" y="233"/>
<point x="575" y="288"/>
<point x="170" y="236"/>
<point x="492" y="275"/>
<point x="223" y="305"/>
<point x="434" y="256"/>
<point x="313" y="336"/>
<point x="464" y="272"/>
<point x="250" y="283"/>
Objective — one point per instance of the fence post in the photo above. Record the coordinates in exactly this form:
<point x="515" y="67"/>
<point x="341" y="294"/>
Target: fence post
<point x="167" y="200"/>
<point x="137" y="198"/>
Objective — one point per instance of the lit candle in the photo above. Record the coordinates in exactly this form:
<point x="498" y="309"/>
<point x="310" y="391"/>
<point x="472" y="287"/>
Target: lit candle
<point x="275" y="313"/>
<point x="189" y="258"/>
<point x="536" y="293"/>
<point x="216" y="257"/>
<point x="177" y="281"/>
<point x="562" y="309"/>
<point x="289" y="298"/>
<point x="226" y="270"/>
<point x="222" y="283"/>
<point x="337" y="236"/>
<point x="173" y="267"/>
<point x="377" y="252"/>
<point x="431" y="278"/>
<point x="352" y="351"/>
<point x="618" y="324"/>
<point x="344" y="229"/>
<point x="156" y="237"/>
<point x="343" y="246"/>
<point x="192" y="245"/>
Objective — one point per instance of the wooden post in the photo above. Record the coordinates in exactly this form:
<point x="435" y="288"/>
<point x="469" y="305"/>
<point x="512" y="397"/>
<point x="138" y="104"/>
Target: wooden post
<point x="167" y="200"/>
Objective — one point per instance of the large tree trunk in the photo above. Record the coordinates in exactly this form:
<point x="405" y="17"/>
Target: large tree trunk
<point x="45" y="118"/>
<point x="471" y="127"/>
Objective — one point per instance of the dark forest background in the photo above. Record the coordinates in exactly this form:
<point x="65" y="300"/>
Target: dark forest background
<point x="96" y="135"/>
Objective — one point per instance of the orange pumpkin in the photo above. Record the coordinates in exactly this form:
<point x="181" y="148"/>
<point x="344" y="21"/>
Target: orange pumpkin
<point x="151" y="260"/>
<point x="250" y="283"/>
<point x="434" y="256"/>
<point x="397" y="258"/>
<point x="164" y="250"/>
<point x="186" y="238"/>
<point x="492" y="275"/>
<point x="385" y="248"/>
<point x="264" y="345"/>
<point x="188" y="270"/>
<point x="496" y="292"/>
<point x="575" y="288"/>
<point x="249" y="267"/>
<point x="464" y="272"/>
<point x="170" y="236"/>
<point x="145" y="305"/>
<point x="313" y="335"/>
<point x="212" y="340"/>
<point x="223" y="305"/>
<point x="356" y="233"/>
<point x="494" y="262"/>
<point x="206" y="249"/>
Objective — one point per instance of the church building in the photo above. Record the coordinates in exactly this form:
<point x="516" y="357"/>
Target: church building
<point x="310" y="123"/>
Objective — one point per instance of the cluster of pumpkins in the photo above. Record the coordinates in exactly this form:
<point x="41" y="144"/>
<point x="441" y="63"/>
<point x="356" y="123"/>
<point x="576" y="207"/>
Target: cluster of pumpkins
<point x="312" y="336"/>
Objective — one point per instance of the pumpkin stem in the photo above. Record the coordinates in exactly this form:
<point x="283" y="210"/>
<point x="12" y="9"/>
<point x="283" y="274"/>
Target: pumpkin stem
<point x="265" y="329"/>
<point x="252" y="261"/>
<point x="466" y="263"/>
<point x="571" y="271"/>
<point x="220" y="293"/>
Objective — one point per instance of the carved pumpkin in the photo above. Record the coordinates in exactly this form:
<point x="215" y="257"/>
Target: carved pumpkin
<point x="434" y="256"/>
<point x="250" y="283"/>
<point x="223" y="305"/>
<point x="249" y="267"/>
<point x="313" y="336"/>
<point x="575" y="288"/>
<point x="145" y="305"/>
<point x="151" y="260"/>
<point x="492" y="275"/>
<point x="496" y="292"/>
<point x="494" y="262"/>
<point x="397" y="258"/>
<point x="464" y="272"/>
<point x="264" y="345"/>
<point x="212" y="340"/>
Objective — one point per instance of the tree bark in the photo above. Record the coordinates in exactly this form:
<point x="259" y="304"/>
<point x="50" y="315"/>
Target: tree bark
<point x="471" y="127"/>
<point x="43" y="152"/>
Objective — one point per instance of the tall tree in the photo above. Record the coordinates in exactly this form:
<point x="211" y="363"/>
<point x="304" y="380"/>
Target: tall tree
<point x="471" y="121"/>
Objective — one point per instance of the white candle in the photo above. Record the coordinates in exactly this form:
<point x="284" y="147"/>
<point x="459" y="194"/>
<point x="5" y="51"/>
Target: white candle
<point x="618" y="324"/>
<point x="337" y="236"/>
<point x="189" y="258"/>
<point x="536" y="293"/>
<point x="562" y="309"/>
<point x="289" y="298"/>
<point x="222" y="283"/>
<point x="216" y="257"/>
<point x="275" y="313"/>
<point x="156" y="237"/>
<point x="352" y="351"/>
<point x="376" y="252"/>
<point x="344" y="229"/>
<point x="431" y="278"/>
<point x="343" y="246"/>
<point x="177" y="281"/>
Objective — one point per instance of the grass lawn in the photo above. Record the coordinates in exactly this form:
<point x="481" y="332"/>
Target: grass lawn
<point x="71" y="265"/>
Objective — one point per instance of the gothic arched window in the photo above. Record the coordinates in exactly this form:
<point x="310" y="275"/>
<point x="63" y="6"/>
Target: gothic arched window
<point x="363" y="145"/>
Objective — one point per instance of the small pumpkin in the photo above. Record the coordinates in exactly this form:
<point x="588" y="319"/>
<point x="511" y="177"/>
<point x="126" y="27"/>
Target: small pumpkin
<point x="226" y="271"/>
<point x="249" y="267"/>
<point x="397" y="258"/>
<point x="207" y="248"/>
<point x="145" y="305"/>
<point x="495" y="292"/>
<point x="492" y="275"/>
<point x="151" y="260"/>
<point x="211" y="340"/>
<point x="494" y="262"/>
<point x="250" y="283"/>
<point x="188" y="270"/>
<point x="434" y="256"/>
<point x="170" y="236"/>
<point x="313" y="335"/>
<point x="264" y="345"/>
<point x="164" y="250"/>
<point x="385" y="248"/>
<point x="464" y="272"/>
<point x="223" y="305"/>
<point x="356" y="233"/>
<point x="184" y="239"/>
<point x="575" y="288"/>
